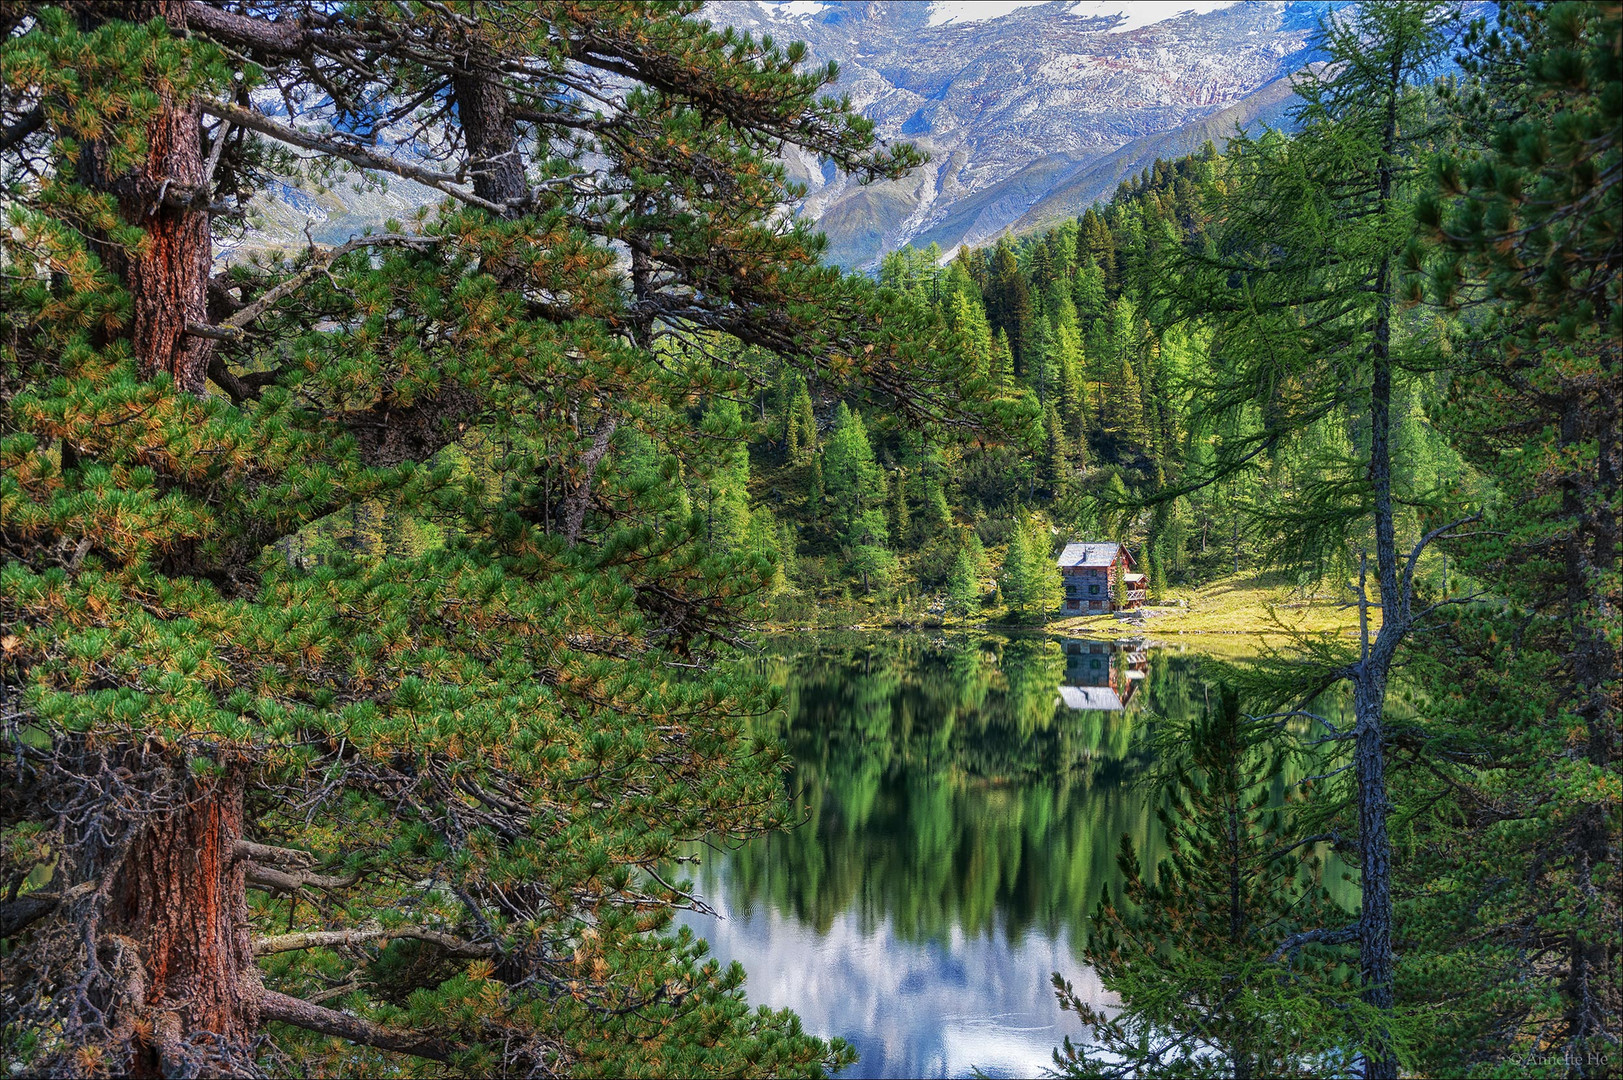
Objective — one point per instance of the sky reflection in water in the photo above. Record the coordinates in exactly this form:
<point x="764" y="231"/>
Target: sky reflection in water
<point x="962" y="817"/>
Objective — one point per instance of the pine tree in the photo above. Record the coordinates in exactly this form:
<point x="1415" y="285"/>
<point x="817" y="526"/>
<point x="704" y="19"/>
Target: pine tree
<point x="964" y="586"/>
<point x="1002" y="361"/>
<point x="1030" y="580"/>
<point x="1057" y="457"/>
<point x="851" y="475"/>
<point x="900" y="516"/>
<point x="476" y="755"/>
<point x="1526" y="945"/>
<point x="802" y="425"/>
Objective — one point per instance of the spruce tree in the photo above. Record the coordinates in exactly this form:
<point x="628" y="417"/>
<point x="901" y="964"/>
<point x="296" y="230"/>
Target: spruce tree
<point x="409" y="806"/>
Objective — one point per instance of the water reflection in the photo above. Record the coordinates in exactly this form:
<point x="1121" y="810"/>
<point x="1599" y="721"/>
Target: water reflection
<point x="963" y="804"/>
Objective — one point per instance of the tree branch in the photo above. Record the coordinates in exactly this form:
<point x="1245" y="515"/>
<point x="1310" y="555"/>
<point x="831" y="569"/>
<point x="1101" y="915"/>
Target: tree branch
<point x="318" y="1018"/>
<point x="30" y="122"/>
<point x="1314" y="937"/>
<point x="1414" y="555"/>
<point x="17" y="914"/>
<point x="264" y="877"/>
<point x="575" y="513"/>
<point x="326" y="939"/>
<point x="356" y="155"/>
<point x="265" y="853"/>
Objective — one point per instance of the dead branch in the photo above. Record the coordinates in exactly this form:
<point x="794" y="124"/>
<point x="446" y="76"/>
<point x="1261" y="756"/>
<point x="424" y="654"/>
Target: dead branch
<point x="318" y="1018"/>
<point x="326" y="939"/>
<point x="264" y="877"/>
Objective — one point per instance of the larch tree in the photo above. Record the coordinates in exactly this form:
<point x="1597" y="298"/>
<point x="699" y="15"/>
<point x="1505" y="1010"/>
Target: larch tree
<point x="1303" y="288"/>
<point x="392" y="809"/>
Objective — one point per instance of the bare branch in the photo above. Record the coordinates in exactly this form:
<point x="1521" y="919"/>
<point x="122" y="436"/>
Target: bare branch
<point x="1414" y="555"/>
<point x="326" y="939"/>
<point x="1345" y="935"/>
<point x="356" y="155"/>
<point x="575" y="513"/>
<point x="263" y="877"/>
<point x="17" y="914"/>
<point x="301" y="1013"/>
<point x="275" y="856"/>
<point x="31" y="122"/>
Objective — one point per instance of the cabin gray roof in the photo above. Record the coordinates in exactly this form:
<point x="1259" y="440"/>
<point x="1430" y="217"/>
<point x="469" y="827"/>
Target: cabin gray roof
<point x="1088" y="554"/>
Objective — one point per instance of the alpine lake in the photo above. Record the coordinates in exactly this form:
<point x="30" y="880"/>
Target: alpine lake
<point x="962" y="800"/>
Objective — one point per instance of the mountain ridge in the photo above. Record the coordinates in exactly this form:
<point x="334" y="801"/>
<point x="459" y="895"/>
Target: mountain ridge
<point x="1027" y="109"/>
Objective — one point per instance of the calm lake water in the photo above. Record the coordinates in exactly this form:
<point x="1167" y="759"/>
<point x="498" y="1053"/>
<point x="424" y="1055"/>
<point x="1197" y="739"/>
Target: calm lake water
<point x="964" y="800"/>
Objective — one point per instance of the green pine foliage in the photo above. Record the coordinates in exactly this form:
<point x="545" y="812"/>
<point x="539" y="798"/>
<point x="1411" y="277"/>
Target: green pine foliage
<point x="361" y="606"/>
<point x="1030" y="581"/>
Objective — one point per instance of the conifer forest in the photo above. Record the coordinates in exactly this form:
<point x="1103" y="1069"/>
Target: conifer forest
<point x="573" y="627"/>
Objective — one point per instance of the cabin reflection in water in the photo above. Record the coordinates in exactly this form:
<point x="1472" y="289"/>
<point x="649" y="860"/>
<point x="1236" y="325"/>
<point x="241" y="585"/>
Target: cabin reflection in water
<point x="1102" y="675"/>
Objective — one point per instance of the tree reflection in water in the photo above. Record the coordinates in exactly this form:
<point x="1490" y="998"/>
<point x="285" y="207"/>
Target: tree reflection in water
<point x="956" y="804"/>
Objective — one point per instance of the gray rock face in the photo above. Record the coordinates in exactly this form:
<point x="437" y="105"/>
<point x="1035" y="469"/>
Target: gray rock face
<point x="1025" y="107"/>
<point x="1030" y="111"/>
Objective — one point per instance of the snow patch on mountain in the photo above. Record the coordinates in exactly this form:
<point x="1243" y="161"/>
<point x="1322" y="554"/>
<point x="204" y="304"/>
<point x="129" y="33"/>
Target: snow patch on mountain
<point x="970" y="11"/>
<point x="1141" y="13"/>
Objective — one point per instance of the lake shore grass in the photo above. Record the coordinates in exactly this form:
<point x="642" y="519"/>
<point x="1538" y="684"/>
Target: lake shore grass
<point x="1250" y="605"/>
<point x="1246" y="605"/>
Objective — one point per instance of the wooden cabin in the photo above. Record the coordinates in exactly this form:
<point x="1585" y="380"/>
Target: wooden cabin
<point x="1091" y="572"/>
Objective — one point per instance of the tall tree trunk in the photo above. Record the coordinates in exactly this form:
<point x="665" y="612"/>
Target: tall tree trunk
<point x="180" y="897"/>
<point x="167" y="275"/>
<point x="494" y="160"/>
<point x="1590" y="559"/>
<point x="1376" y="959"/>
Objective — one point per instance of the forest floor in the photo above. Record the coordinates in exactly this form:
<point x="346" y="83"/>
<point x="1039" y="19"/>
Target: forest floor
<point x="1247" y="604"/>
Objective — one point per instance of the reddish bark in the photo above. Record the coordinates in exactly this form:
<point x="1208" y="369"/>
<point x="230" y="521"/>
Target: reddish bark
<point x="181" y="897"/>
<point x="167" y="276"/>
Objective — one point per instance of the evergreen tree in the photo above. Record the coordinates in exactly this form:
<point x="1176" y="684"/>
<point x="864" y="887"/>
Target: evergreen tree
<point x="964" y="586"/>
<point x="1303" y="287"/>
<point x="802" y="425"/>
<point x="967" y="319"/>
<point x="1526" y="946"/>
<point x="1002" y="361"/>
<point x="1030" y="581"/>
<point x="1056" y="470"/>
<point x="476" y="755"/>
<point x="900" y="515"/>
<point x="851" y="475"/>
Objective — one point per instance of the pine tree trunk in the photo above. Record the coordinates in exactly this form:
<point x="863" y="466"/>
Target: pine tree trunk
<point x="494" y="161"/>
<point x="1590" y="557"/>
<point x="167" y="276"/>
<point x="180" y="896"/>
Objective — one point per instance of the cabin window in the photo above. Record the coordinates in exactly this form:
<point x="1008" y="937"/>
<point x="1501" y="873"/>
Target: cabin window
<point x="1093" y="590"/>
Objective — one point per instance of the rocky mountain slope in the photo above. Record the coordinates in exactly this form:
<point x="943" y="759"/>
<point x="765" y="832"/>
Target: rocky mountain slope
<point x="1030" y="110"/>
